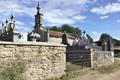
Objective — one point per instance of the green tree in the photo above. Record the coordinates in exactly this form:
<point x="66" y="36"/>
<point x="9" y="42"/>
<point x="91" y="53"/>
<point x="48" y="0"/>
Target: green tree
<point x="55" y="28"/>
<point x="75" y="31"/>
<point x="105" y="37"/>
<point x="116" y="42"/>
<point x="71" y="29"/>
<point x="90" y="38"/>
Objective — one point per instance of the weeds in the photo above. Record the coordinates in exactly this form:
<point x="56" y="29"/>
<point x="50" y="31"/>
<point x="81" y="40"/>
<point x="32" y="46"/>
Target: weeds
<point x="14" y="70"/>
<point x="72" y="71"/>
<point x="110" y="68"/>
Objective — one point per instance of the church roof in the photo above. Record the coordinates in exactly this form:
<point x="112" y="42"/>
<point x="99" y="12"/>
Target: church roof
<point x="59" y="34"/>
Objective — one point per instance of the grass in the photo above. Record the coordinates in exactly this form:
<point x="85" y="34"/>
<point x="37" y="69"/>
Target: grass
<point x="72" y="71"/>
<point x="13" y="70"/>
<point x="110" y="68"/>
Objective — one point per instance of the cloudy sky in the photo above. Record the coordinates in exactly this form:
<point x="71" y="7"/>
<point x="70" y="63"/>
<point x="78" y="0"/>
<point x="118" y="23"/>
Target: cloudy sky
<point x="94" y="16"/>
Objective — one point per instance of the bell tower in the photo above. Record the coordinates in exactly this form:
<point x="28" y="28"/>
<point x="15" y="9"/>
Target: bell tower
<point x="38" y="18"/>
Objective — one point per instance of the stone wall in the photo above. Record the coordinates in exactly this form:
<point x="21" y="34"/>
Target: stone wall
<point x="102" y="58"/>
<point x="90" y="56"/>
<point x="43" y="60"/>
<point x="59" y="40"/>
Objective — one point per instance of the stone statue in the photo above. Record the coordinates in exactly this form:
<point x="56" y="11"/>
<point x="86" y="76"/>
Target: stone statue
<point x="65" y="38"/>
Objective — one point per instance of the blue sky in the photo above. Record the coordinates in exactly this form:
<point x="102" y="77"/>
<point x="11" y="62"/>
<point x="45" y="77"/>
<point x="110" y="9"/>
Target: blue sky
<point x="94" y="16"/>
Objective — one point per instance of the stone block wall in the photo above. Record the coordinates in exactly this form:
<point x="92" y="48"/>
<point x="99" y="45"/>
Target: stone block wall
<point x="43" y="60"/>
<point x="102" y="58"/>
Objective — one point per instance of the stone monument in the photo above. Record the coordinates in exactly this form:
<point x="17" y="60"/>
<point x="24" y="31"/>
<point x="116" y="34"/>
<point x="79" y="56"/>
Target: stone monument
<point x="65" y="39"/>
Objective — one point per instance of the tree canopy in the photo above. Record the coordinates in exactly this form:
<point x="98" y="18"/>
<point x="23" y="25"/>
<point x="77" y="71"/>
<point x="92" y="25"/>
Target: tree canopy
<point x="106" y="37"/>
<point x="68" y="28"/>
<point x="55" y="28"/>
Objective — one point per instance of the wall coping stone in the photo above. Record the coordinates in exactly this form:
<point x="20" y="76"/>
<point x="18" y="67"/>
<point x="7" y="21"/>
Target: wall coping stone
<point x="33" y="44"/>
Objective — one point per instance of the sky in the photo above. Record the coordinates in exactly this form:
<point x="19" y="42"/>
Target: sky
<point x="93" y="16"/>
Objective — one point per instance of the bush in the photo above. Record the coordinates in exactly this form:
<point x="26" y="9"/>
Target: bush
<point x="14" y="70"/>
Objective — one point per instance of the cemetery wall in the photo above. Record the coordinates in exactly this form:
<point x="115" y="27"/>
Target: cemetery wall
<point x="43" y="60"/>
<point x="101" y="58"/>
<point x="92" y="57"/>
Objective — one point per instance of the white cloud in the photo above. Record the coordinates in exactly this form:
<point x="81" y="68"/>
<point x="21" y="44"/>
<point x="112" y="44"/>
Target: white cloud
<point x="19" y="23"/>
<point x="64" y="11"/>
<point x="118" y="21"/>
<point x="110" y="8"/>
<point x="118" y="0"/>
<point x="78" y="17"/>
<point x="95" y="35"/>
<point x="104" y="17"/>
<point x="21" y="27"/>
<point x="8" y="7"/>
<point x="57" y="18"/>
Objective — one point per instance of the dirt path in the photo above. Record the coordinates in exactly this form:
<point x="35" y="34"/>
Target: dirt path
<point x="97" y="76"/>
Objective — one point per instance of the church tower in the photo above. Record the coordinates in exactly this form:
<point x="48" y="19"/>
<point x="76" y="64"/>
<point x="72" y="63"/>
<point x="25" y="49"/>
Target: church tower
<point x="38" y="28"/>
<point x="38" y="18"/>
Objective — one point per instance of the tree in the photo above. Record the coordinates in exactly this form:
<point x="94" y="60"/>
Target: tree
<point x="105" y="37"/>
<point x="116" y="42"/>
<point x="71" y="29"/>
<point x="55" y="28"/>
<point x="89" y="38"/>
